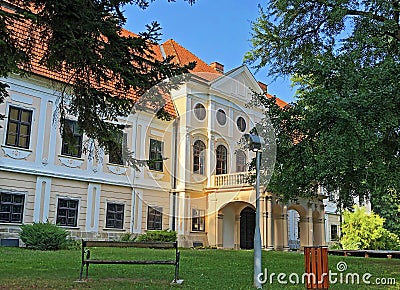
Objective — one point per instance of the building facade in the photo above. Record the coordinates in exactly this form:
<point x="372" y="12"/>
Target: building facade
<point x="198" y="188"/>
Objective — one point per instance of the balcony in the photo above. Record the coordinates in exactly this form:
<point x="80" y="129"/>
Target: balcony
<point x="230" y="180"/>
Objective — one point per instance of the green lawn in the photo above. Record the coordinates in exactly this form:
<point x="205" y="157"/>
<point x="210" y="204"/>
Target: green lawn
<point x="200" y="269"/>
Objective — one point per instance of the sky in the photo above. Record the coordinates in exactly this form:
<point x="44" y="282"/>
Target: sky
<point x="214" y="30"/>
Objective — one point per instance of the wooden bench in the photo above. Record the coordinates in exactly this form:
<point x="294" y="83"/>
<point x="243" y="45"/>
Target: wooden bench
<point x="87" y="260"/>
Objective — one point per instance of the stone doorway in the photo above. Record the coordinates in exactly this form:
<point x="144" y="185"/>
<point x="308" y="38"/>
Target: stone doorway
<point x="247" y="226"/>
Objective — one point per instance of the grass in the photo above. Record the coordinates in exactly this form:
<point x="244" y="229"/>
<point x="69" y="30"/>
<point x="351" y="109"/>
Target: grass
<point x="201" y="269"/>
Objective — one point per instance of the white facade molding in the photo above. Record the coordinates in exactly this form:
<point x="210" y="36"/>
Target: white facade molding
<point x="93" y="207"/>
<point x="155" y="175"/>
<point x="117" y="169"/>
<point x="21" y="99"/>
<point x="16" y="153"/>
<point x="70" y="161"/>
<point x="42" y="199"/>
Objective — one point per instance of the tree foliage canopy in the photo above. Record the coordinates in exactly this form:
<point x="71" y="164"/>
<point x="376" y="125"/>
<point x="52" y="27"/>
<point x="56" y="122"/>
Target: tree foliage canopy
<point x="362" y="230"/>
<point x="343" y="130"/>
<point x="84" y="41"/>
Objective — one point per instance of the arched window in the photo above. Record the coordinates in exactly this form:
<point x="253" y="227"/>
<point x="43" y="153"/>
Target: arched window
<point x="221" y="160"/>
<point x="198" y="157"/>
<point x="240" y="161"/>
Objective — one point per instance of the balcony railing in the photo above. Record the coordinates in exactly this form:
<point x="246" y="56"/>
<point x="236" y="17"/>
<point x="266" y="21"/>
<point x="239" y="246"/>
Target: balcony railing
<point x="230" y="180"/>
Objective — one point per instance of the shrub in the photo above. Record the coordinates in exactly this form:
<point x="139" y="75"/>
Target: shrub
<point x="126" y="237"/>
<point x="335" y="246"/>
<point x="389" y="241"/>
<point x="157" y="236"/>
<point x="362" y="230"/>
<point x="44" y="236"/>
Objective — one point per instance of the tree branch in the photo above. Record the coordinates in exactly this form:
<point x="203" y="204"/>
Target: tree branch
<point x="371" y="15"/>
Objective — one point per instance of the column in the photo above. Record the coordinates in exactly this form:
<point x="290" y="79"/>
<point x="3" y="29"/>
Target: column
<point x="270" y="245"/>
<point x="237" y="232"/>
<point x="322" y="225"/>
<point x="212" y="214"/>
<point x="220" y="234"/>
<point x="285" y="228"/>
<point x="263" y="221"/>
<point x="210" y="159"/>
<point x="310" y="226"/>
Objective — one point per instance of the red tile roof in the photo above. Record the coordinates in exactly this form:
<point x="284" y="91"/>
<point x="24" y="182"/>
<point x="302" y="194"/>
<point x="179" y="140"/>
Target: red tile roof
<point x="183" y="56"/>
<point x="279" y="102"/>
<point x="22" y="30"/>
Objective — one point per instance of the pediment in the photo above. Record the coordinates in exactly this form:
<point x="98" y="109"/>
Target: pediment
<point x="237" y="83"/>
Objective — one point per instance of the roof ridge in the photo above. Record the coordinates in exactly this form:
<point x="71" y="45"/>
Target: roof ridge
<point x="174" y="42"/>
<point x="176" y="53"/>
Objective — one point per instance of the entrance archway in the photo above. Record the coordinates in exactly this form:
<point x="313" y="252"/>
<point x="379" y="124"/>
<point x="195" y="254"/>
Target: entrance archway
<point x="247" y="227"/>
<point x="298" y="224"/>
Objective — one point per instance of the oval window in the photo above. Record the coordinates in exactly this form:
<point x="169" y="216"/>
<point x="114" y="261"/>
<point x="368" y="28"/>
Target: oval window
<point x="221" y="117"/>
<point x="241" y="124"/>
<point x="200" y="111"/>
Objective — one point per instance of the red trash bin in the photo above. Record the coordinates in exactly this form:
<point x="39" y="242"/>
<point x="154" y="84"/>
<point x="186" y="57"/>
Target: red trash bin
<point x="316" y="267"/>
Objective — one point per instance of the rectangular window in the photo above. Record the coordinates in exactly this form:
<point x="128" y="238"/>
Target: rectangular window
<point x="67" y="212"/>
<point x="332" y="196"/>
<point x="154" y="218"/>
<point x="19" y="127"/>
<point x="71" y="139"/>
<point x="11" y="207"/>
<point x="115" y="216"/>
<point x="155" y="155"/>
<point x="334" y="233"/>
<point x="198" y="221"/>
<point x="115" y="150"/>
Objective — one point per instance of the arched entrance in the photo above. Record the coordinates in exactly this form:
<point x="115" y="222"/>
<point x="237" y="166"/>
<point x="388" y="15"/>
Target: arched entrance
<point x="247" y="226"/>
<point x="298" y="231"/>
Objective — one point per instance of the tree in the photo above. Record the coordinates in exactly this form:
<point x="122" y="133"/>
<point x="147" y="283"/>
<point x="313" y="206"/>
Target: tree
<point x="362" y="230"/>
<point x="343" y="130"/>
<point x="99" y="63"/>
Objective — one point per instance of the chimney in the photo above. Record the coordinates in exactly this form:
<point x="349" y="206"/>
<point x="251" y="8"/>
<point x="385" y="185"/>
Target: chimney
<point x="263" y="86"/>
<point x="217" y="66"/>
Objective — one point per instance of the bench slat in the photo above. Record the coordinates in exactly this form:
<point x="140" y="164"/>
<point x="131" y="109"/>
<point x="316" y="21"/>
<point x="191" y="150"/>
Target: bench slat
<point x="161" y="262"/>
<point x="158" y="245"/>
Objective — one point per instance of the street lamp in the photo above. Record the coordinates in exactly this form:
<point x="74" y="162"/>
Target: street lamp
<point x="255" y="144"/>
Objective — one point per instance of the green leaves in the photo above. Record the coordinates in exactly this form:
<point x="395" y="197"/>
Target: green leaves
<point x="364" y="231"/>
<point x="104" y="68"/>
<point x="343" y="130"/>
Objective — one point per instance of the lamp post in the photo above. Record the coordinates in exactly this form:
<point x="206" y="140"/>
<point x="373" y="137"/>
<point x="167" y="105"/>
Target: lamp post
<point x="255" y="144"/>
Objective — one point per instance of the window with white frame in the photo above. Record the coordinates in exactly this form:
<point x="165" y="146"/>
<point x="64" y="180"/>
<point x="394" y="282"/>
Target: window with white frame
<point x="334" y="233"/>
<point x="71" y="139"/>
<point x="198" y="220"/>
<point x="115" y="216"/>
<point x="11" y="207"/>
<point x="199" y="156"/>
<point x="241" y="124"/>
<point x="19" y="127"/>
<point x="155" y="155"/>
<point x="115" y="150"/>
<point x="200" y="111"/>
<point x="154" y="218"/>
<point x="222" y="158"/>
<point x="240" y="161"/>
<point x="221" y="117"/>
<point x="67" y="212"/>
